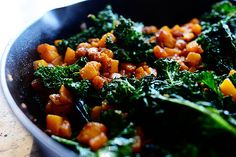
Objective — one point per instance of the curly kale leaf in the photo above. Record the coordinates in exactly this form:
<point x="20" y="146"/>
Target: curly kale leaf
<point x="219" y="45"/>
<point x="80" y="88"/>
<point x="131" y="45"/>
<point x="211" y="81"/>
<point x="102" y="23"/>
<point x="218" y="37"/>
<point x="54" y="77"/>
<point x="167" y="69"/>
<point x="118" y="91"/>
<point x="117" y="119"/>
<point x="220" y="11"/>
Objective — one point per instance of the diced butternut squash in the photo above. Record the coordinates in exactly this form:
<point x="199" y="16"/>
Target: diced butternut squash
<point x="65" y="95"/>
<point x="193" y="58"/>
<point x="47" y="52"/>
<point x="58" y="109"/>
<point x="177" y="31"/>
<point x="57" y="61"/>
<point x="65" y="129"/>
<point x="95" y="112"/>
<point x="180" y="44"/>
<point x="232" y="72"/>
<point x="183" y="66"/>
<point x="49" y="107"/>
<point x="150" y="29"/>
<point x="89" y="131"/>
<point x="159" y="52"/>
<point x="60" y="106"/>
<point x="171" y="51"/>
<point x="165" y="37"/>
<point x="55" y="98"/>
<point x="140" y="73"/>
<point x="69" y="56"/>
<point x="94" y="42"/>
<point x="197" y="29"/>
<point x="227" y="88"/>
<point x="194" y="47"/>
<point x="39" y="63"/>
<point x="188" y="36"/>
<point x="195" y="21"/>
<point x="103" y="40"/>
<point x="82" y="49"/>
<point x="98" y="82"/>
<point x="98" y="141"/>
<point x="54" y="123"/>
<point x="114" y="66"/>
<point x="136" y="147"/>
<point x="90" y="70"/>
<point x="108" y="52"/>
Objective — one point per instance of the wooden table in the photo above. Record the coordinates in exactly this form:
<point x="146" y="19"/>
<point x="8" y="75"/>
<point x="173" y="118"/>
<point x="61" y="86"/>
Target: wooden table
<point x="15" y="141"/>
<point x="15" y="15"/>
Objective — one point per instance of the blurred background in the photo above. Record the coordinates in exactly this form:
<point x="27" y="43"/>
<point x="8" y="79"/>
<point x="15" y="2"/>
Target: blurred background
<point x="15" y="15"/>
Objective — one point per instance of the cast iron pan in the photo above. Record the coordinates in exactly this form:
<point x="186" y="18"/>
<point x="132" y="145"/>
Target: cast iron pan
<point x="17" y="71"/>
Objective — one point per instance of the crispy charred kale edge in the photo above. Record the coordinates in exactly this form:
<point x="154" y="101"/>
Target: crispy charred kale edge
<point x="183" y="113"/>
<point x="218" y="37"/>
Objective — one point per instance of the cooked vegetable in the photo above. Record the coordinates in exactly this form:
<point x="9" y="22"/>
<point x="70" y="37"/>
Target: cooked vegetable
<point x="119" y="88"/>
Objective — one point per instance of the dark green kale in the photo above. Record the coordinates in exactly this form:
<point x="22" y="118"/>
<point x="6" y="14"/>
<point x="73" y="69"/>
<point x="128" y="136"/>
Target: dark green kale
<point x="102" y="23"/>
<point x="233" y="79"/>
<point x="165" y="112"/>
<point x="118" y="121"/>
<point x="131" y="45"/>
<point x="167" y="69"/>
<point x="54" y="77"/>
<point x="218" y="38"/>
<point x="121" y="145"/>
<point x="203" y="127"/>
<point x="220" y="11"/>
<point x="117" y="91"/>
<point x="80" y="88"/>
<point x="219" y="45"/>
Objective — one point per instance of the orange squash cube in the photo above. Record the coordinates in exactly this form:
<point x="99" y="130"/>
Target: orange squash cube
<point x="65" y="95"/>
<point x="47" y="52"/>
<point x="65" y="129"/>
<point x="57" y="61"/>
<point x="90" y="70"/>
<point x="98" y="141"/>
<point x="114" y="66"/>
<point x="89" y="131"/>
<point x="193" y="58"/>
<point x="165" y="37"/>
<point x="39" y="63"/>
<point x="194" y="47"/>
<point x="69" y="56"/>
<point x="227" y="88"/>
<point x="53" y="123"/>
<point x="98" y="82"/>
<point x="159" y="52"/>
